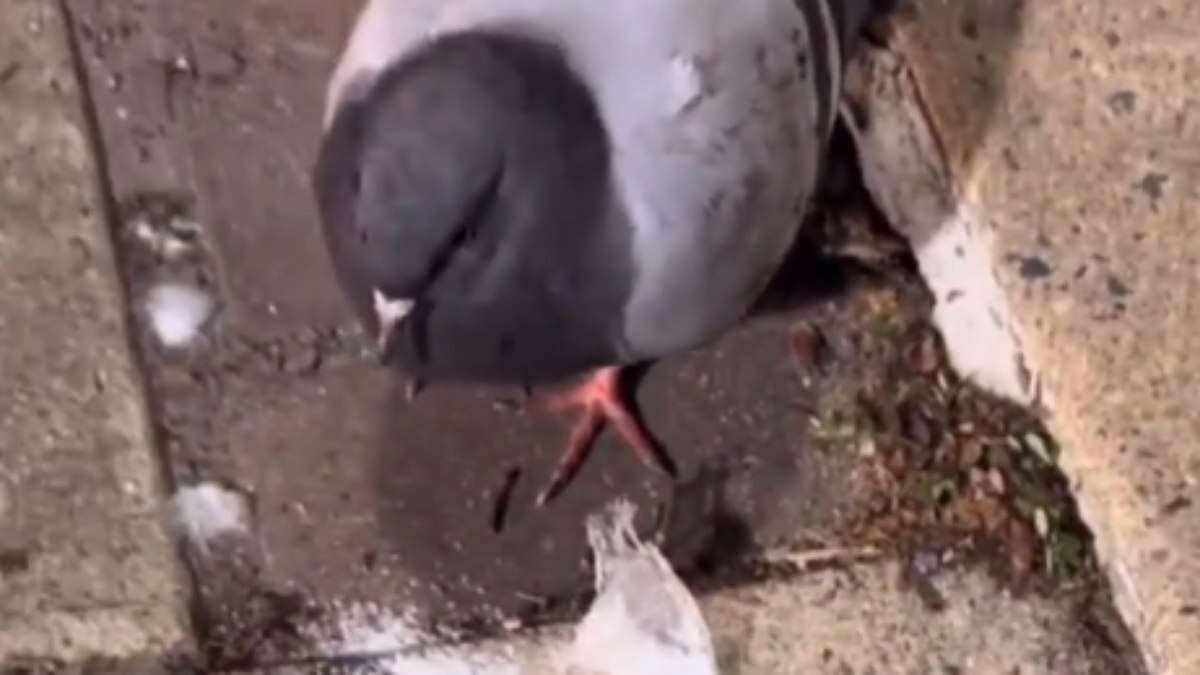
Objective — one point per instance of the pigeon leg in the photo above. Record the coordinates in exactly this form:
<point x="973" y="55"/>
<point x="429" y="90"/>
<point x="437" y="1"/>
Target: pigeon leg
<point x="601" y="400"/>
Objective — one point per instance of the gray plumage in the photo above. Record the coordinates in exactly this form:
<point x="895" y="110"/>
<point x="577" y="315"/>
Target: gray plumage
<point x="559" y="185"/>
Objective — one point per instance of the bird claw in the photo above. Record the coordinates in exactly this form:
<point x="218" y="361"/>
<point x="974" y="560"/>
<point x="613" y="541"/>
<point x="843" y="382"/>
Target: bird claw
<point x="602" y="403"/>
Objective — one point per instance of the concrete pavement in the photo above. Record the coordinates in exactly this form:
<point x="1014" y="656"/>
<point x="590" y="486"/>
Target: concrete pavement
<point x="845" y="620"/>
<point x="86" y="566"/>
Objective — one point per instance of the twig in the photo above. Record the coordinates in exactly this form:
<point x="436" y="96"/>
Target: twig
<point x="824" y="556"/>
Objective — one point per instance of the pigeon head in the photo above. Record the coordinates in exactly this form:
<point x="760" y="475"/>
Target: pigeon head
<point x="399" y="171"/>
<point x="464" y="192"/>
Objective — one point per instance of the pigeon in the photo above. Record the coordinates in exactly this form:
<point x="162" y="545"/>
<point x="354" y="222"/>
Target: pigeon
<point x="547" y="192"/>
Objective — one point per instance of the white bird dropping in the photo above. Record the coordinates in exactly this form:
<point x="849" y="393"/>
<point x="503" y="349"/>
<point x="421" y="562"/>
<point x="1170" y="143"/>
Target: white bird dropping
<point x="643" y="621"/>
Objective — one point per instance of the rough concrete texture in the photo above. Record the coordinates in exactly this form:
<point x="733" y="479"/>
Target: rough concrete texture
<point x="86" y="568"/>
<point x="861" y="620"/>
<point x="1072" y="134"/>
<point x="850" y="620"/>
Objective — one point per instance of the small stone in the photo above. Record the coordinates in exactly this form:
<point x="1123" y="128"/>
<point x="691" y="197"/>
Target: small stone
<point x="1152" y="185"/>
<point x="1033" y="267"/>
<point x="1117" y="287"/>
<point x="807" y="346"/>
<point x="1122" y="102"/>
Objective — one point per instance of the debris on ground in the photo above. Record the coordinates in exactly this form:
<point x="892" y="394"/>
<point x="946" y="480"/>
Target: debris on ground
<point x="177" y="312"/>
<point x="945" y="471"/>
<point x="368" y="640"/>
<point x="205" y="512"/>
<point x="960" y="472"/>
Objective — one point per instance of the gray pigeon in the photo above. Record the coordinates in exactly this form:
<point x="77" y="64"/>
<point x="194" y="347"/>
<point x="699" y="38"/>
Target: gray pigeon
<point x="527" y="191"/>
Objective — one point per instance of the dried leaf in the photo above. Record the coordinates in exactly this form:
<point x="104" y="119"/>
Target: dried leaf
<point x="1022" y="547"/>
<point x="983" y="511"/>
<point x="1069" y="554"/>
<point x="923" y="354"/>
<point x="996" y="481"/>
<point x="807" y="346"/>
<point x="916" y="427"/>
<point x="971" y="454"/>
<point x="998" y="458"/>
<point x="1037" y="445"/>
<point x="943" y="381"/>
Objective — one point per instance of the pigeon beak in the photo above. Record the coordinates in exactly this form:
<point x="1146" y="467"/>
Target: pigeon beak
<point x="390" y="312"/>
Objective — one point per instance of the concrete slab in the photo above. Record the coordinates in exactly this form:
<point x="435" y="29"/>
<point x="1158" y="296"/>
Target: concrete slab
<point x="1070" y="133"/>
<point x="86" y="568"/>
<point x="202" y="102"/>
<point x="859" y="620"/>
<point x="360" y="496"/>
<point x="357" y="490"/>
<point x="855" y="619"/>
<point x="285" y="408"/>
